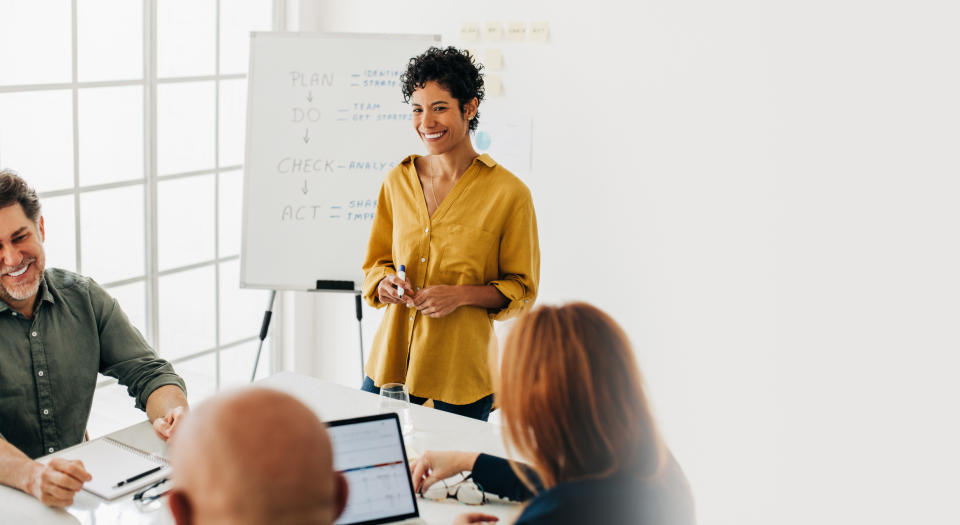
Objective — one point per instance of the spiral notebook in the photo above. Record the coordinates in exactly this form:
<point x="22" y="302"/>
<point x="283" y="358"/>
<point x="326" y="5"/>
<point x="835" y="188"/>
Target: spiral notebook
<point x="110" y="462"/>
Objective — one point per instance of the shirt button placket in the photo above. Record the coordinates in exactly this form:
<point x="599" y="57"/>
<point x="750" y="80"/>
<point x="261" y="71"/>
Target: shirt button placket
<point x="47" y="426"/>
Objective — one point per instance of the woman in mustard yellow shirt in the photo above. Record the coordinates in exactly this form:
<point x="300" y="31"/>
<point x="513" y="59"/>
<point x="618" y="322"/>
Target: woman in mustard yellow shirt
<point x="465" y="229"/>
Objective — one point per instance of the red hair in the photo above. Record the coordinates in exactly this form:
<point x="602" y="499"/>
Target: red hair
<point x="572" y="397"/>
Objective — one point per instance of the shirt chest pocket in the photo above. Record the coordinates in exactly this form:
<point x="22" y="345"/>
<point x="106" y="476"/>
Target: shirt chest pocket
<point x="464" y="252"/>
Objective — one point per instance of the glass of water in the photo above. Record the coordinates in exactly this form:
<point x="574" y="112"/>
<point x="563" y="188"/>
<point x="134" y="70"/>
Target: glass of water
<point x="394" y="397"/>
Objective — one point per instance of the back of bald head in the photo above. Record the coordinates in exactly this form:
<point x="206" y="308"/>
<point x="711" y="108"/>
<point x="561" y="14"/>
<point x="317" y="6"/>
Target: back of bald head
<point x="255" y="456"/>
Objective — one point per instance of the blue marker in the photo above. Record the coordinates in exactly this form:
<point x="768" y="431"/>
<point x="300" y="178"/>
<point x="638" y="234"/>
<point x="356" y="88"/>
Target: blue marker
<point x="402" y="274"/>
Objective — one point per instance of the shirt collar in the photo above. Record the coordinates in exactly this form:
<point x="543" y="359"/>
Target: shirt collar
<point x="44" y="290"/>
<point x="484" y="159"/>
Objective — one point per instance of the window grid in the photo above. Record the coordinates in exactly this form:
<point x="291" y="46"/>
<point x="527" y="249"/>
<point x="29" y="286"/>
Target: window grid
<point x="151" y="290"/>
<point x="216" y="194"/>
<point x="75" y="95"/>
<point x="149" y="179"/>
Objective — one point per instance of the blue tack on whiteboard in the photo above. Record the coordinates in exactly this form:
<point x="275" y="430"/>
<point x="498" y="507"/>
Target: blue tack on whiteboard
<point x="483" y="140"/>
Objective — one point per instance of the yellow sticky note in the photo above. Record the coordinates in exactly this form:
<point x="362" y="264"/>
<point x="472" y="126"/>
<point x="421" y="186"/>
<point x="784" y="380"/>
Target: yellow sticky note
<point x="475" y="54"/>
<point x="493" y="31"/>
<point x="493" y="59"/>
<point x="539" y="31"/>
<point x="493" y="85"/>
<point x="516" y="31"/>
<point x="470" y="31"/>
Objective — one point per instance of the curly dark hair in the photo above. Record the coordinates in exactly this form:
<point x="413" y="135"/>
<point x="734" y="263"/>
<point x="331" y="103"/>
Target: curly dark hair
<point x="453" y="69"/>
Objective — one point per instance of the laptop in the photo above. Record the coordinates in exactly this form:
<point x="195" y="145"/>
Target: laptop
<point x="369" y="452"/>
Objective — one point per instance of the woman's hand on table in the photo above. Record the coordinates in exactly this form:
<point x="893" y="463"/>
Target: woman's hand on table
<point x="436" y="465"/>
<point x="387" y="291"/>
<point x="474" y="517"/>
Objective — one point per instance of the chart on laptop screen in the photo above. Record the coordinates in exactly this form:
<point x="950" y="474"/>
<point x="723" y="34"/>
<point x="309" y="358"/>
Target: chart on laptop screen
<point x="370" y="456"/>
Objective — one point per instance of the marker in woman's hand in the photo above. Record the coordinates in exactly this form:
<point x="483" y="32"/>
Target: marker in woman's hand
<point x="402" y="274"/>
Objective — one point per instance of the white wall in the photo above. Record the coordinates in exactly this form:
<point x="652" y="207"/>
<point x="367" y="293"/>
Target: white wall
<point x="764" y="195"/>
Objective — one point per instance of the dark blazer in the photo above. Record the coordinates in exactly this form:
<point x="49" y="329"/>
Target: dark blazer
<point x="618" y="499"/>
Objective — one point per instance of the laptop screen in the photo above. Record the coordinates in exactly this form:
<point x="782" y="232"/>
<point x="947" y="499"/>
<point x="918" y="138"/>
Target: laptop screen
<point x="369" y="452"/>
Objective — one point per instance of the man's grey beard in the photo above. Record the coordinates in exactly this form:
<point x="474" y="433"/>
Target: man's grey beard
<point x="22" y="293"/>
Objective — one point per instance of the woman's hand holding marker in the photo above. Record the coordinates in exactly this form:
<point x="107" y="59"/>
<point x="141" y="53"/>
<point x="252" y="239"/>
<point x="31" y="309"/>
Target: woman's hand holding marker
<point x="395" y="289"/>
<point x="402" y="275"/>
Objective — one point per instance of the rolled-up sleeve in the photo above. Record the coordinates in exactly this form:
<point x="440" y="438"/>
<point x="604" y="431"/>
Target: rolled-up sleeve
<point x="125" y="355"/>
<point x="379" y="260"/>
<point x="519" y="262"/>
<point x="495" y="475"/>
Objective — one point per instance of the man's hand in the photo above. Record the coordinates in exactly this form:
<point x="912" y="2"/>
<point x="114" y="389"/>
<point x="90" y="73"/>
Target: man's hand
<point x="165" y="407"/>
<point x="166" y="425"/>
<point x="56" y="483"/>
<point x="438" y="301"/>
<point x="387" y="290"/>
<point x="474" y="517"/>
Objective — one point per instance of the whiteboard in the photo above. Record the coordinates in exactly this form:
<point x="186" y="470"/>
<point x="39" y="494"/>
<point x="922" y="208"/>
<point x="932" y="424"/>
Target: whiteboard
<point x="325" y="122"/>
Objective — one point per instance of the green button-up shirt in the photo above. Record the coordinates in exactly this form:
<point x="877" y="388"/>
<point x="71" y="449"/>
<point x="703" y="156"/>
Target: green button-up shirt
<point x="49" y="364"/>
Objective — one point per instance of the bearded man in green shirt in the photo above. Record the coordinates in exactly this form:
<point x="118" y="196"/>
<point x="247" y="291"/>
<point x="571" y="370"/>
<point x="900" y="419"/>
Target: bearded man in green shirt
<point x="59" y="329"/>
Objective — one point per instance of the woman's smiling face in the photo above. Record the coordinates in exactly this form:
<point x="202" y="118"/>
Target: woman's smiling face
<point x="438" y="119"/>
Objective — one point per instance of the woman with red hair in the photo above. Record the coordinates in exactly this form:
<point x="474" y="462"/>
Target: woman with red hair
<point x="573" y="405"/>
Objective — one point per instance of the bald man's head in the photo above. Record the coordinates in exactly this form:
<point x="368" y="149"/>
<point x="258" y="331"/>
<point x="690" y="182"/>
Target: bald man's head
<point x="254" y="456"/>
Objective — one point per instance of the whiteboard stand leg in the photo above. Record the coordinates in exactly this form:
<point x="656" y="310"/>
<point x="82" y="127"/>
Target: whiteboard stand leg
<point x="360" y="328"/>
<point x="263" y="332"/>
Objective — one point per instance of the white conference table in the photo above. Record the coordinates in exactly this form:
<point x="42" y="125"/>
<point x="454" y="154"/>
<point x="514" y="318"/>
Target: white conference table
<point x="433" y="430"/>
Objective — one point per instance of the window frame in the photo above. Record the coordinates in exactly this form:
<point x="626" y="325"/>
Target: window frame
<point x="149" y="180"/>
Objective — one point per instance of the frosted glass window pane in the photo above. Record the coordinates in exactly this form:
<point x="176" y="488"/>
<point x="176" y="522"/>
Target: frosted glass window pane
<point x="111" y="233"/>
<point x="237" y="20"/>
<point x="59" y="223"/>
<point x="231" y="205"/>
<point x="187" y="312"/>
<point x="186" y="37"/>
<point x="36" y="137"/>
<point x="109" y="40"/>
<point x="34" y="42"/>
<point x="200" y="375"/>
<point x="185" y="127"/>
<point x="236" y="363"/>
<point x="233" y="121"/>
<point x="185" y="221"/>
<point x="113" y="409"/>
<point x="132" y="299"/>
<point x="241" y="310"/>
<point x="111" y="134"/>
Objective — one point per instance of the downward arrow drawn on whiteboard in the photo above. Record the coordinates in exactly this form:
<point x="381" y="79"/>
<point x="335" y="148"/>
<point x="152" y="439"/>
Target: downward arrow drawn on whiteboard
<point x="304" y="188"/>
<point x="309" y="96"/>
<point x="306" y="136"/>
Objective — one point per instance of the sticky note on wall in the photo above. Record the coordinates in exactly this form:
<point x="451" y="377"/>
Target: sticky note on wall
<point x="539" y="31"/>
<point x="470" y="31"/>
<point x="517" y="31"/>
<point x="493" y="31"/>
<point x="493" y="59"/>
<point x="493" y="85"/>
